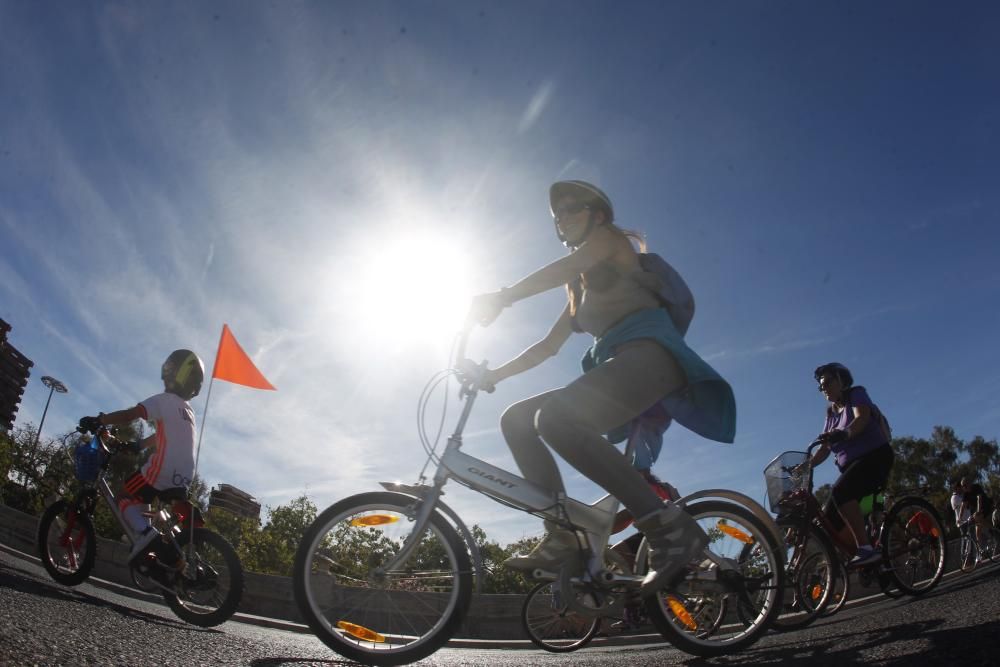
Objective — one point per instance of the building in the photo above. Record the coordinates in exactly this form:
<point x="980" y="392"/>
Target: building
<point x="228" y="497"/>
<point x="15" y="368"/>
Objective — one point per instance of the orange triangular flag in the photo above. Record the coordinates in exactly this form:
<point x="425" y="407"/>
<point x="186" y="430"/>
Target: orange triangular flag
<point x="233" y="365"/>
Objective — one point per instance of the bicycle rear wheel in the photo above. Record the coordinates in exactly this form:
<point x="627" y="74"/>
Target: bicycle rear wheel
<point x="67" y="544"/>
<point x="365" y="612"/>
<point x="967" y="554"/>
<point x="811" y="564"/>
<point x="551" y="625"/>
<point x="913" y="546"/>
<point x="713" y="610"/>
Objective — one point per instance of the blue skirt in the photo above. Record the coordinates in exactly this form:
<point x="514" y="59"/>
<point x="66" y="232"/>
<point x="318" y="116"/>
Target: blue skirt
<point x="705" y="404"/>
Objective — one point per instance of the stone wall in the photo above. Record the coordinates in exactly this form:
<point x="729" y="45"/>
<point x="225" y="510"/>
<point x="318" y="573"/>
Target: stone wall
<point x="490" y="616"/>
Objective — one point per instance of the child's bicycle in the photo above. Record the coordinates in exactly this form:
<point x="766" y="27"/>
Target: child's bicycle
<point x="196" y="570"/>
<point x="909" y="536"/>
<point x="386" y="578"/>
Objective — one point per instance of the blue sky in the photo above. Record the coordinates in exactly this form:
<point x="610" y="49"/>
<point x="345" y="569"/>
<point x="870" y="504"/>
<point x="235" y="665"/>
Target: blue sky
<point x="332" y="180"/>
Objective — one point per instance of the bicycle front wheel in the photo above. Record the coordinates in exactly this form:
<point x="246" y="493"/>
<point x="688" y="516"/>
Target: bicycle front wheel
<point x="967" y="554"/>
<point x="913" y="546"/>
<point x="551" y="625"/>
<point x="717" y="609"/>
<point x="993" y="543"/>
<point x="370" y="614"/>
<point x="67" y="543"/>
<point x="210" y="587"/>
<point x="810" y="570"/>
<point x="841" y="589"/>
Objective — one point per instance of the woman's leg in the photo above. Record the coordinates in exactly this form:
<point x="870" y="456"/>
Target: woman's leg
<point x="533" y="458"/>
<point x="574" y="419"/>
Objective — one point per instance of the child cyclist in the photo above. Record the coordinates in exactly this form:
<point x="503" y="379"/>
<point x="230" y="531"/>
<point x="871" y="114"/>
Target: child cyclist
<point x="169" y="470"/>
<point x="638" y="359"/>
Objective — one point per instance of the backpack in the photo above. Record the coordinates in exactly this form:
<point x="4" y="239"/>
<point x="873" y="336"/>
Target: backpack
<point x="879" y="418"/>
<point x="674" y="294"/>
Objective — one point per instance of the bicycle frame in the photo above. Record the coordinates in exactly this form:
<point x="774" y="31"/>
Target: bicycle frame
<point x="594" y="521"/>
<point x="815" y="514"/>
<point x="101" y="487"/>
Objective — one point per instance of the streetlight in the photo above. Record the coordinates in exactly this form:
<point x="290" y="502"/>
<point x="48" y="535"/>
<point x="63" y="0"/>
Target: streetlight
<point x="54" y="385"/>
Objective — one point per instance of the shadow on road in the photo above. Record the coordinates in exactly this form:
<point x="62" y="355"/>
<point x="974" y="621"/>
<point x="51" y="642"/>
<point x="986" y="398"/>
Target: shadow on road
<point x="22" y="581"/>
<point x="926" y="643"/>
<point x="278" y="662"/>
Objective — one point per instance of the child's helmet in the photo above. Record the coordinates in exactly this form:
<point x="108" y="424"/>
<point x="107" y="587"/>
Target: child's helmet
<point x="183" y="373"/>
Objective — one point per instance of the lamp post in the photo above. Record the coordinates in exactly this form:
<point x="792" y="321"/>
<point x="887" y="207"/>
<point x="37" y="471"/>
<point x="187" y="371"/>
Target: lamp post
<point x="54" y="385"/>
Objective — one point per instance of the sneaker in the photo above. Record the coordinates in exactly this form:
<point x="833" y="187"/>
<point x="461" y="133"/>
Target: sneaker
<point x="558" y="546"/>
<point x="674" y="539"/>
<point x="142" y="544"/>
<point x="866" y="556"/>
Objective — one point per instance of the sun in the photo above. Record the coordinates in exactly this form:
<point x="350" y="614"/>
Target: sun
<point x="413" y="288"/>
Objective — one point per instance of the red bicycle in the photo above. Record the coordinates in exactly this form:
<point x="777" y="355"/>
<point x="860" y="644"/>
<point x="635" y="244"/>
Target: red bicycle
<point x="909" y="534"/>
<point x="199" y="574"/>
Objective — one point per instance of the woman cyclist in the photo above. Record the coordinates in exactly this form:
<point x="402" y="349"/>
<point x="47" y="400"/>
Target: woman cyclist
<point x="862" y="451"/>
<point x="638" y="359"/>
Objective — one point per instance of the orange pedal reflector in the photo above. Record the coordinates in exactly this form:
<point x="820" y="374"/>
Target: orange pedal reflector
<point x="374" y="520"/>
<point x="735" y="533"/>
<point x="360" y="632"/>
<point x="677" y="607"/>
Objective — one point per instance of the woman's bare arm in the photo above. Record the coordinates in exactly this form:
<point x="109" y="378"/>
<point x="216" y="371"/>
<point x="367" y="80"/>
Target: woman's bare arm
<point x="601" y="245"/>
<point x="539" y="352"/>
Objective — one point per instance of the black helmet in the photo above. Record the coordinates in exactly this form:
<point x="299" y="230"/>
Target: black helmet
<point x="183" y="373"/>
<point x="840" y="370"/>
<point x="583" y="191"/>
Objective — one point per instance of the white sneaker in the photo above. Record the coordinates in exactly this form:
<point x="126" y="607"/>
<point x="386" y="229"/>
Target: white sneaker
<point x="558" y="546"/>
<point x="142" y="542"/>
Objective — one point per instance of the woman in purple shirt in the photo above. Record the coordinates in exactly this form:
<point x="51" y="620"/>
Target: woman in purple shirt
<point x="862" y="452"/>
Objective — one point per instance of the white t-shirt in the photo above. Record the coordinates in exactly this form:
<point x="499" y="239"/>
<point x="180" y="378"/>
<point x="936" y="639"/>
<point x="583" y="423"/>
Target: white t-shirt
<point x="956" y="505"/>
<point x="172" y="464"/>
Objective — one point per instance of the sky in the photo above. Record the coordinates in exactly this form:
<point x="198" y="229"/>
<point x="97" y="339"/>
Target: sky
<point x="334" y="180"/>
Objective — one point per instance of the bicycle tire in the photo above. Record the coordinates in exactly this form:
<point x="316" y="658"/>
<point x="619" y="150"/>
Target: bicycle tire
<point x="968" y="553"/>
<point x="340" y="558"/>
<point x="913" y="553"/>
<point x="212" y="566"/>
<point x="841" y="590"/>
<point x="749" y="596"/>
<point x="551" y="626"/>
<point x="67" y="566"/>
<point x="994" y="544"/>
<point x="809" y="580"/>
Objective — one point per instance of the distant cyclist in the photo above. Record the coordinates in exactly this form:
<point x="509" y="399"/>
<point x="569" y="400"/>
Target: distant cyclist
<point x="169" y="470"/>
<point x="638" y="359"/>
<point x="979" y="505"/>
<point x="863" y="454"/>
<point x="962" y="514"/>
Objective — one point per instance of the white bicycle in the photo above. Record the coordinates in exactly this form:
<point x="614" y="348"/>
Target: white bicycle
<point x="386" y="578"/>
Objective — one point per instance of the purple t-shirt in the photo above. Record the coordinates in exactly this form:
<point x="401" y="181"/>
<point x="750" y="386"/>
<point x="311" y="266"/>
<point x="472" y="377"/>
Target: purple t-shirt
<point x="869" y="440"/>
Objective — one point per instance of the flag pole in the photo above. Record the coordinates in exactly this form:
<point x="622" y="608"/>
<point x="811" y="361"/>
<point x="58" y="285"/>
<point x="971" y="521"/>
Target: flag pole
<point x="201" y="433"/>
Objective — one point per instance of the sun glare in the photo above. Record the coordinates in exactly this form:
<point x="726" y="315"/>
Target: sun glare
<point x="412" y="289"/>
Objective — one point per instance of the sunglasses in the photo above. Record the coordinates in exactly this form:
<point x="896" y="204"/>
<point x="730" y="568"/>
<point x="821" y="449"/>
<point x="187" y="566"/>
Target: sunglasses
<point x="824" y="383"/>
<point x="568" y="209"/>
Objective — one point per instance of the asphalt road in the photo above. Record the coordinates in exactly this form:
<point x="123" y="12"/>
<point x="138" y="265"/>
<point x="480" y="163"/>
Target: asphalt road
<point x="44" y="623"/>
